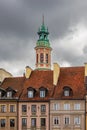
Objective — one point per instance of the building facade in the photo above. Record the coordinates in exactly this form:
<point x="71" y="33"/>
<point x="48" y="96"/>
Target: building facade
<point x="45" y="99"/>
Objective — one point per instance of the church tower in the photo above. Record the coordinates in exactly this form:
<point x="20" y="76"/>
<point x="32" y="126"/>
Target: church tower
<point x="43" y="49"/>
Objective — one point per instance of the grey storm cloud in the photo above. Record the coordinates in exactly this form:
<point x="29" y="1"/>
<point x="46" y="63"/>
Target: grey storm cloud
<point x="19" y="23"/>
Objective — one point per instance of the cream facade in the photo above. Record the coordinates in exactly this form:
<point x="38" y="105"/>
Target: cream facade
<point x="8" y="115"/>
<point x="67" y="115"/>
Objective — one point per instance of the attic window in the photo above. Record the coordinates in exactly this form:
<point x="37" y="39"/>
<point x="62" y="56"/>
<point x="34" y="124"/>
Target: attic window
<point x="30" y="94"/>
<point x="67" y="91"/>
<point x="9" y="94"/>
<point x="43" y="92"/>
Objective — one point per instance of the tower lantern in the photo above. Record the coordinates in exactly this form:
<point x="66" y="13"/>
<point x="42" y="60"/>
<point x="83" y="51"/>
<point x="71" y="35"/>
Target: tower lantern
<point x="43" y="49"/>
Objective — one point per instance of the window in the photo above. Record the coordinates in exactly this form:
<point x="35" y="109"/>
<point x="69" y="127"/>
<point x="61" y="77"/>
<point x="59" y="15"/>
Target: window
<point x="12" y="122"/>
<point x="3" y="108"/>
<point x="67" y="121"/>
<point x="77" y="120"/>
<point x="33" y="122"/>
<point x="3" y="122"/>
<point x="37" y="59"/>
<point x="56" y="120"/>
<point x="42" y="93"/>
<point x="12" y="108"/>
<point x="24" y="122"/>
<point x="43" y="122"/>
<point x="9" y="94"/>
<point x="46" y="58"/>
<point x="33" y="108"/>
<point x="66" y="106"/>
<point x="66" y="92"/>
<point x="43" y="108"/>
<point x="77" y="106"/>
<point x="41" y="57"/>
<point x="30" y="94"/>
<point x="24" y="108"/>
<point x="56" y="106"/>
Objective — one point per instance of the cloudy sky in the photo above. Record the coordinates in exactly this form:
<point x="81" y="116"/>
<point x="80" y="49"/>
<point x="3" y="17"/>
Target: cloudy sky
<point x="19" y="23"/>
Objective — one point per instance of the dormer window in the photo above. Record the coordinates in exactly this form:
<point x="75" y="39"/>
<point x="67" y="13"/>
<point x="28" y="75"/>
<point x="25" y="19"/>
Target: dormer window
<point x="67" y="91"/>
<point x="9" y="94"/>
<point x="30" y="94"/>
<point x="43" y="92"/>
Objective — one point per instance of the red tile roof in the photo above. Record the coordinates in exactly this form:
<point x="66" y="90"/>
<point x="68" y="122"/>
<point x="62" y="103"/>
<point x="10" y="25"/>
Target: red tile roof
<point x="38" y="79"/>
<point x="69" y="76"/>
<point x="74" y="78"/>
<point x="16" y="83"/>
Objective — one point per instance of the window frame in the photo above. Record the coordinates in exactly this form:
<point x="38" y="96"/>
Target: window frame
<point x="77" y="106"/>
<point x="43" y="108"/>
<point x="56" y="120"/>
<point x="77" y="120"/>
<point x="24" y="108"/>
<point x="33" y="122"/>
<point x="43" y="122"/>
<point x="66" y="106"/>
<point x="24" y="122"/>
<point x="13" y="123"/>
<point x="3" y="123"/>
<point x="56" y="106"/>
<point x="30" y="93"/>
<point x="33" y="108"/>
<point x="67" y="120"/>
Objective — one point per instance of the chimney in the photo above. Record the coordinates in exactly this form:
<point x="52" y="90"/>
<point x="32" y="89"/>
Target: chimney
<point x="85" y="76"/>
<point x="56" y="72"/>
<point x="28" y="72"/>
<point x="85" y="69"/>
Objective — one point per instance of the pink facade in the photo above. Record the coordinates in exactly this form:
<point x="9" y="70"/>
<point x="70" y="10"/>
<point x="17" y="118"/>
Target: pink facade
<point x="35" y="115"/>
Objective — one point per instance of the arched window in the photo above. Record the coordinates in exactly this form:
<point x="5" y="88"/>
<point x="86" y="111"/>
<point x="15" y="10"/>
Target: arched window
<point x="46" y="58"/>
<point x="41" y="58"/>
<point x="67" y="91"/>
<point x="31" y="92"/>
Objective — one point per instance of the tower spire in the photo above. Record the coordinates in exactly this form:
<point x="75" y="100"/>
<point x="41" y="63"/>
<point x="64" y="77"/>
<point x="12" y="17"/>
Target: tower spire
<point x="43" y="49"/>
<point x="43" y="19"/>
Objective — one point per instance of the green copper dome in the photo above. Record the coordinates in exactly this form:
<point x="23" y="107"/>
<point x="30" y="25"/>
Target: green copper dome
<point x="43" y="40"/>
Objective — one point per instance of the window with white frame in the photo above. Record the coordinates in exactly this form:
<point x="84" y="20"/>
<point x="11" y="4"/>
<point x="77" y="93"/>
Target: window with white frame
<point x="66" y="92"/>
<point x="56" y="106"/>
<point x="66" y="106"/>
<point x="67" y="120"/>
<point x="9" y="94"/>
<point x="42" y="93"/>
<point x="56" y="120"/>
<point x="3" y="108"/>
<point x="77" y="120"/>
<point x="77" y="106"/>
<point x="30" y="94"/>
<point x="12" y="108"/>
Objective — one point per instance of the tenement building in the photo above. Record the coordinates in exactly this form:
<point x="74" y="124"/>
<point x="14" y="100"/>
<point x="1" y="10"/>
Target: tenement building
<point x="45" y="99"/>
